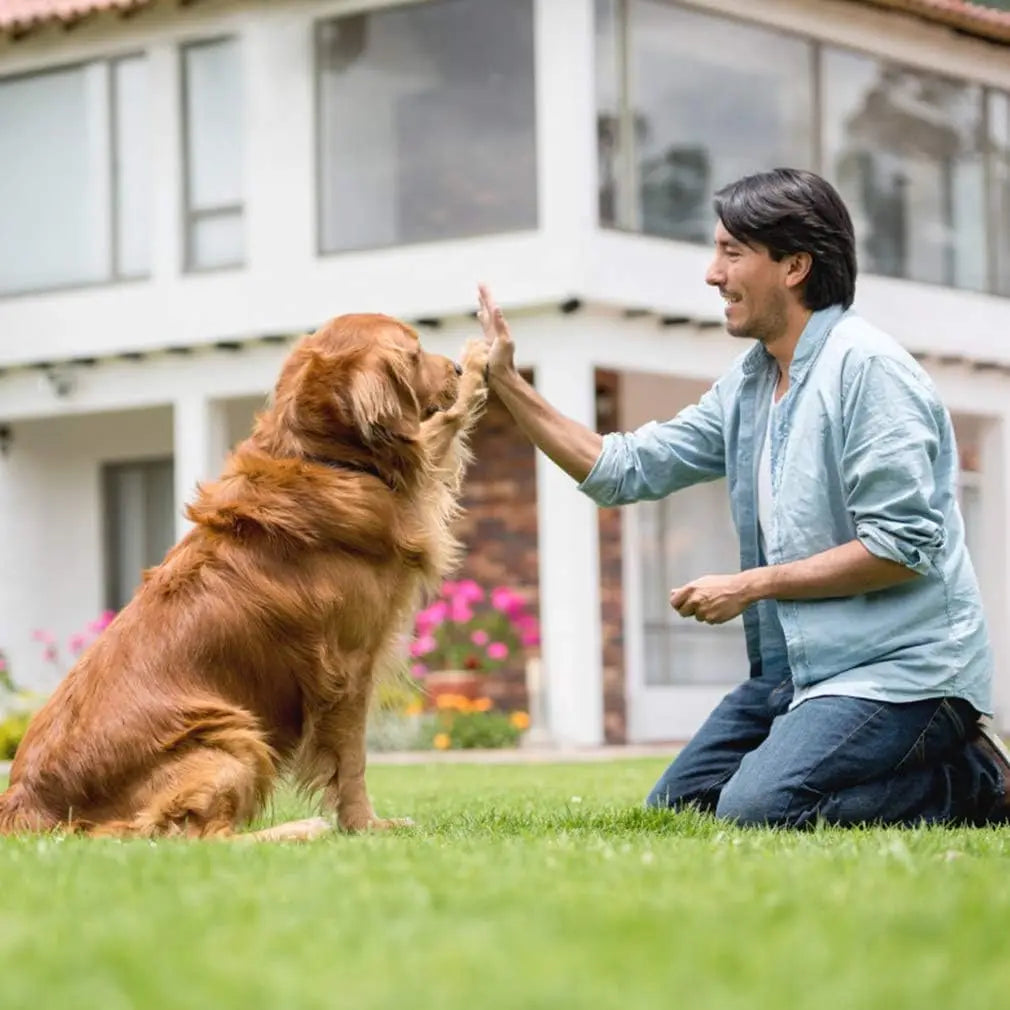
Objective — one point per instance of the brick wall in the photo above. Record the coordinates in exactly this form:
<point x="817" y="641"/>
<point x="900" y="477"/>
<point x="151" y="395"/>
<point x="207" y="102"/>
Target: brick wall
<point x="611" y="581"/>
<point x="499" y="529"/>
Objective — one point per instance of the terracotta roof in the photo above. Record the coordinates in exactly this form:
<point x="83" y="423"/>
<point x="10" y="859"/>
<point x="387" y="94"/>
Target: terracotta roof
<point x="19" y="16"/>
<point x="970" y="18"/>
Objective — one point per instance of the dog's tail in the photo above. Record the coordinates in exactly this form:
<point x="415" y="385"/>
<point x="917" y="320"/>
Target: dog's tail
<point x="20" y="814"/>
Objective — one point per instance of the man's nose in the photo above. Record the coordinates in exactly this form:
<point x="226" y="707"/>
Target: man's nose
<point x="714" y="275"/>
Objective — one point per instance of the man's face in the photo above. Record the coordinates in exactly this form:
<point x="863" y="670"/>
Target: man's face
<point x="753" y="286"/>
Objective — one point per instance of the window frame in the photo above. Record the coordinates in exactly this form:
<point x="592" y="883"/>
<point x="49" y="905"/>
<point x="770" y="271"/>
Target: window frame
<point x="114" y="275"/>
<point x="191" y="217"/>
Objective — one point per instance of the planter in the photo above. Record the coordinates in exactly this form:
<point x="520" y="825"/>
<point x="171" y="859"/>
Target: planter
<point x="465" y="683"/>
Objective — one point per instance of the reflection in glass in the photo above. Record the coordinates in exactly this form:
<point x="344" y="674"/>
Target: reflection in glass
<point x="427" y="131"/>
<point x="708" y="100"/>
<point x="905" y="150"/>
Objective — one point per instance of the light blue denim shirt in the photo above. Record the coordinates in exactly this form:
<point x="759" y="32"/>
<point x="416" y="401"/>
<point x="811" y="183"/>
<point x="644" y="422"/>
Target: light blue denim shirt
<point x="861" y="447"/>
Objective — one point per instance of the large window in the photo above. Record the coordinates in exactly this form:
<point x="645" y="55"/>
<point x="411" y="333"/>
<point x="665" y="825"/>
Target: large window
<point x="905" y="150"/>
<point x="999" y="146"/>
<point x="690" y="101"/>
<point x="75" y="179"/>
<point x="426" y="123"/>
<point x="139" y="507"/>
<point x="704" y="102"/>
<point x="212" y="88"/>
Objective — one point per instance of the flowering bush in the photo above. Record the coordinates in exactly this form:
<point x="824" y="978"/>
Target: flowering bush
<point x="17" y="707"/>
<point x="466" y="629"/>
<point x="466" y="723"/>
<point x="76" y="643"/>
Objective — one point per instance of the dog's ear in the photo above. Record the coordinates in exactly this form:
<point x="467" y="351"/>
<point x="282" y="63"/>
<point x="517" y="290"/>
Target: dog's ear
<point x="381" y="402"/>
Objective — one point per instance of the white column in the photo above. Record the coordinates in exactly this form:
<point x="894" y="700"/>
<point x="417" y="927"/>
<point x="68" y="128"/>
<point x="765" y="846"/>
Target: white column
<point x="568" y="546"/>
<point x="200" y="444"/>
<point x="993" y="564"/>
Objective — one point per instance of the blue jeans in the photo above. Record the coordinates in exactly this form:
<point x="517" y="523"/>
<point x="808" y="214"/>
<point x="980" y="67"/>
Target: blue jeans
<point x="833" y="759"/>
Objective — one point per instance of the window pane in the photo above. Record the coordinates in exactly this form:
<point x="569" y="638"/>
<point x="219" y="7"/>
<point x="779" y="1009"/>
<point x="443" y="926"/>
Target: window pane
<point x="999" y="145"/>
<point x="427" y="123"/>
<point x="711" y="100"/>
<point x="681" y="537"/>
<point x="903" y="147"/>
<point x="608" y="108"/>
<point x="216" y="241"/>
<point x="139" y="524"/>
<point x="134" y="192"/>
<point x="54" y="187"/>
<point x="213" y="110"/>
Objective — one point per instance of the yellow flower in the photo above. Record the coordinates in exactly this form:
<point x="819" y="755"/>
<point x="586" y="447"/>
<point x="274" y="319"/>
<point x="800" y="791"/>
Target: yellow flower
<point x="520" y="720"/>
<point x="441" y="741"/>
<point x="414" y="708"/>
<point x="482" y="705"/>
<point x="456" y="701"/>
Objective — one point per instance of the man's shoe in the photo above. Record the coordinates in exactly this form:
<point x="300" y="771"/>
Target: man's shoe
<point x="988" y="742"/>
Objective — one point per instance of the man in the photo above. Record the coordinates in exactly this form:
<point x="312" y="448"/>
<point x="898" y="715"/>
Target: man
<point x="869" y="654"/>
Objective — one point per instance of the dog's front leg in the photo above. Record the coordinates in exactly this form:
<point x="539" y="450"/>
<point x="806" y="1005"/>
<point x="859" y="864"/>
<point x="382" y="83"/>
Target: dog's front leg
<point x="440" y="431"/>
<point x="346" y="794"/>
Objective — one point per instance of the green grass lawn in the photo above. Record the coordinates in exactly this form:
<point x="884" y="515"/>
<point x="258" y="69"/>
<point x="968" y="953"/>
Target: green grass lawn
<point x="521" y="887"/>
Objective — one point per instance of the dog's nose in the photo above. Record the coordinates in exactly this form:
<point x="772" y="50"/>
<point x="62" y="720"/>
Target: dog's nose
<point x="458" y="367"/>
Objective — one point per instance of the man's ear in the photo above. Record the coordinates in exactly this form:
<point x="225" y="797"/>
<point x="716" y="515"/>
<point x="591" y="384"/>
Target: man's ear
<point x="798" y="268"/>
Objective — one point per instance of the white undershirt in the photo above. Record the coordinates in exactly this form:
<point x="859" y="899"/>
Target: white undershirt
<point x="764" y="480"/>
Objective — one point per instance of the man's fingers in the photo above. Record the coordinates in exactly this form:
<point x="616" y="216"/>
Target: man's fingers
<point x="500" y="326"/>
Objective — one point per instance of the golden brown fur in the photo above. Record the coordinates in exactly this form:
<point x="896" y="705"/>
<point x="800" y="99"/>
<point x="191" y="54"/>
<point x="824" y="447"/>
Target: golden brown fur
<point x="253" y="647"/>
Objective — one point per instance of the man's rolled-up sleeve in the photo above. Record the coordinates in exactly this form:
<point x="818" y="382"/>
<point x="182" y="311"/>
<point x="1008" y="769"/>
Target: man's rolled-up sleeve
<point x="660" y="457"/>
<point x="891" y="443"/>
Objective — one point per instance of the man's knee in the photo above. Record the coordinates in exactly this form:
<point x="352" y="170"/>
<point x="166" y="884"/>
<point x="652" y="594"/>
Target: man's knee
<point x="753" y="804"/>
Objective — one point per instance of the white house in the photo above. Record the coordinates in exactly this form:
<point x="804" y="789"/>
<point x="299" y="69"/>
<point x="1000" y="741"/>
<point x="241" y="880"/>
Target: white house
<point x="184" y="189"/>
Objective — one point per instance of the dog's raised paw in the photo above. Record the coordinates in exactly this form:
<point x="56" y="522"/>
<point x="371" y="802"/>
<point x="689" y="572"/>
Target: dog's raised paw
<point x="475" y="354"/>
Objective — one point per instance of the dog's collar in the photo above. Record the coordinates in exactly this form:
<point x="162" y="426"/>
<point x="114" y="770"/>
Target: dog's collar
<point x="346" y="464"/>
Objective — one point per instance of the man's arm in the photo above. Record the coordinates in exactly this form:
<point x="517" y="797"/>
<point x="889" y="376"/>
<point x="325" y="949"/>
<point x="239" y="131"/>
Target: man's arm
<point x="847" y="570"/>
<point x="618" y="468"/>
<point x="574" y="447"/>
<point x="892" y="440"/>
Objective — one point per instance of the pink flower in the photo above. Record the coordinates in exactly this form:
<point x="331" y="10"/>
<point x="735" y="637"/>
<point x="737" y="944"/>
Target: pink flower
<point x="50" y="654"/>
<point x="104" y="620"/>
<point x="529" y="630"/>
<point x="431" y="617"/>
<point x="3" y="664"/>
<point x="469" y="590"/>
<point x="78" y="642"/>
<point x="507" y="601"/>
<point x="497" y="650"/>
<point x="460" y="611"/>
<point x="479" y="637"/>
<point x="423" y="645"/>
<point x="418" y="669"/>
<point x="41" y="635"/>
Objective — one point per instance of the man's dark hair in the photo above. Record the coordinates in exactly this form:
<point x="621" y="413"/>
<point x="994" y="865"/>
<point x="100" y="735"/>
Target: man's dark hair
<point x="787" y="211"/>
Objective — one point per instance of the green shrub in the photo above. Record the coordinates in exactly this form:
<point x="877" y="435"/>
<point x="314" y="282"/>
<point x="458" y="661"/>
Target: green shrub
<point x="12" y="729"/>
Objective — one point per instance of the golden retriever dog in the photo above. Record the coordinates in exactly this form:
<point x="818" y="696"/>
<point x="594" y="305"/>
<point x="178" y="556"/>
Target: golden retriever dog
<point x="252" y="648"/>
